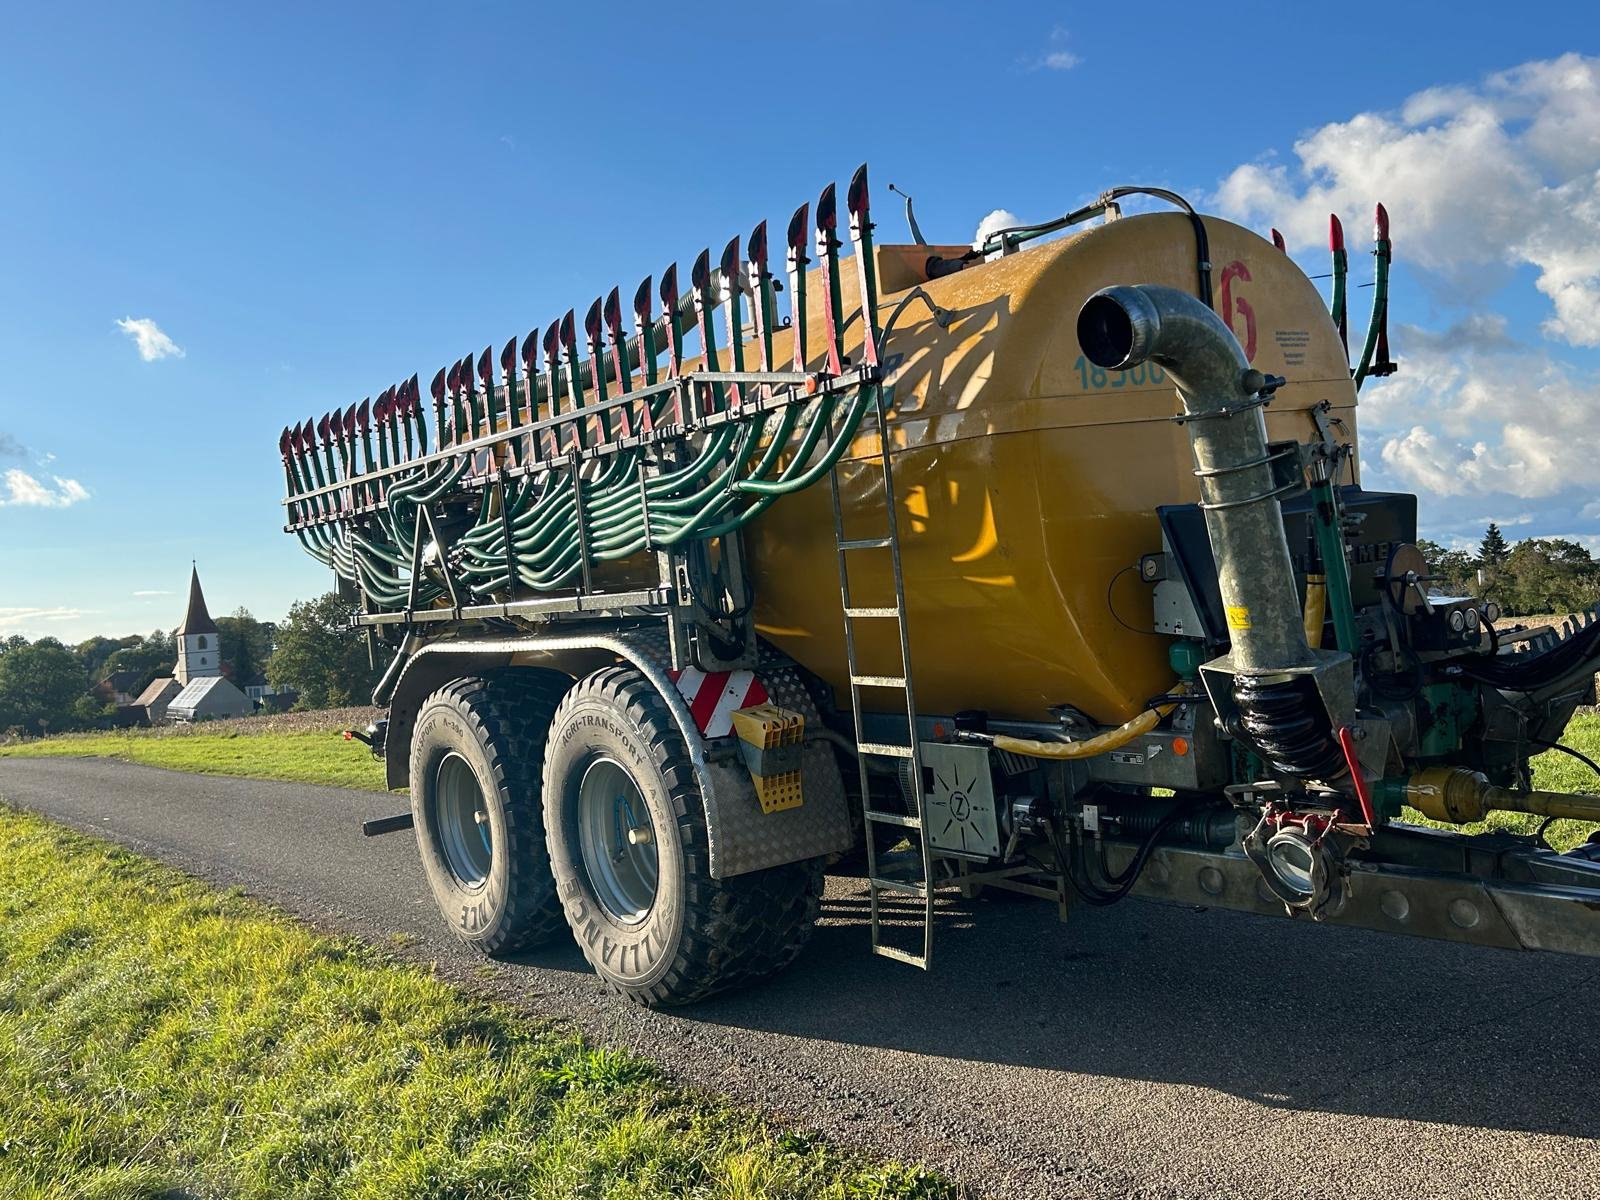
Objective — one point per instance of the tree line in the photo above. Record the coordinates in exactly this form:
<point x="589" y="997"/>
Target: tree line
<point x="47" y="686"/>
<point x="1535" y="576"/>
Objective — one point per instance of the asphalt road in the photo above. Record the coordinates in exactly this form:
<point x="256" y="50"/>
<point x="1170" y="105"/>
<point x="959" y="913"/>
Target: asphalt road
<point x="1144" y="1050"/>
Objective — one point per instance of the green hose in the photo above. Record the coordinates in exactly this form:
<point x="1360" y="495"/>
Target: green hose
<point x="733" y="476"/>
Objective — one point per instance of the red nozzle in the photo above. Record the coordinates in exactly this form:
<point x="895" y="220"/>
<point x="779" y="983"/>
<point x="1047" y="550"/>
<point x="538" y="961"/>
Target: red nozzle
<point x="591" y="320"/>
<point x="552" y="338"/>
<point x="486" y="366"/>
<point x="569" y="336"/>
<point x="530" y="352"/>
<point x="855" y="198"/>
<point x="641" y="302"/>
<point x="508" y="359"/>
<point x="1335" y="233"/>
<point x="730" y="262"/>
<point x="454" y="378"/>
<point x="755" y="250"/>
<point x="350" y="422"/>
<point x="669" y="290"/>
<point x="284" y="441"/>
<point x="380" y="409"/>
<point x="437" y="386"/>
<point x="613" y="310"/>
<point x="1380" y="227"/>
<point x="797" y="229"/>
<point x="827" y="210"/>
<point x="700" y="273"/>
<point x="364" y="416"/>
<point x="322" y="430"/>
<point x="1277" y="240"/>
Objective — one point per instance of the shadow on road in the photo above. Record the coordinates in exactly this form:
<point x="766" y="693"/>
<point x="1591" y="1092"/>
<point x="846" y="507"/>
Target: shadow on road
<point x="1292" y="1016"/>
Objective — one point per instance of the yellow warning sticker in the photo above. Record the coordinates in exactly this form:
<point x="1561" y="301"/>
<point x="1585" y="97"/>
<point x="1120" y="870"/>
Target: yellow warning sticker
<point x="1238" y="616"/>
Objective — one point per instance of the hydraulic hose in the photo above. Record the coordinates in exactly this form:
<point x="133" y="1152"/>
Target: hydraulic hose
<point x="1316" y="610"/>
<point x="1103" y="743"/>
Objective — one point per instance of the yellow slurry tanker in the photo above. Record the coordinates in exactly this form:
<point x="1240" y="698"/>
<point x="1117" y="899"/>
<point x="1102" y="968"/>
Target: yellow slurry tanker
<point x="1043" y="565"/>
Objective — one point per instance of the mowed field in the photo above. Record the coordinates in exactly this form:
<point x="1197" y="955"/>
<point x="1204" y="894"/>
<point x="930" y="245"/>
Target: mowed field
<point x="298" y="747"/>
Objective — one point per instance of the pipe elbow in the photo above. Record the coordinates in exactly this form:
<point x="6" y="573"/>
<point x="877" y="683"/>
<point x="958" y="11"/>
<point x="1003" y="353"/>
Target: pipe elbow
<point x="1121" y="327"/>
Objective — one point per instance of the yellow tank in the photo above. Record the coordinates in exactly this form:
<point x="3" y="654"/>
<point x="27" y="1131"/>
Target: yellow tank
<point x="1028" y="479"/>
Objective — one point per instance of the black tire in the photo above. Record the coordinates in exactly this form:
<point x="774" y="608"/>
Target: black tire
<point x="489" y="731"/>
<point x="698" y="935"/>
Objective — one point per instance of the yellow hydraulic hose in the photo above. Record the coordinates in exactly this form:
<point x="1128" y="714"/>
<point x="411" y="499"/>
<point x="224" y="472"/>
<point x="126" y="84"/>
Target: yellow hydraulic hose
<point x="1101" y="743"/>
<point x="1316" y="612"/>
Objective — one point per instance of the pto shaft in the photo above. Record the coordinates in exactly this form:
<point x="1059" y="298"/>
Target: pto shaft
<point x="1461" y="797"/>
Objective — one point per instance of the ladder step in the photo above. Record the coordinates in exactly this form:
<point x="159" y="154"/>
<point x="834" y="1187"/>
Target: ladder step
<point x="877" y="543"/>
<point x="884" y="750"/>
<point x="887" y="818"/>
<point x="900" y="885"/>
<point x="905" y="956"/>
<point x="872" y="612"/>
<point x="883" y="681"/>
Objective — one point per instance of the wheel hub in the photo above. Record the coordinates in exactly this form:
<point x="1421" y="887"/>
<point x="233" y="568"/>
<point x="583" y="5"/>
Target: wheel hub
<point x="617" y="841"/>
<point x="462" y="814"/>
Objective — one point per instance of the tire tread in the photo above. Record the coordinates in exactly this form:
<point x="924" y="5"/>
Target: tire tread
<point x="736" y="931"/>
<point x="510" y="712"/>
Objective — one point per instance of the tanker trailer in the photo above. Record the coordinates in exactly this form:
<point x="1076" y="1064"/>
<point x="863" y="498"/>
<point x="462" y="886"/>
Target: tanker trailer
<point x="1042" y="566"/>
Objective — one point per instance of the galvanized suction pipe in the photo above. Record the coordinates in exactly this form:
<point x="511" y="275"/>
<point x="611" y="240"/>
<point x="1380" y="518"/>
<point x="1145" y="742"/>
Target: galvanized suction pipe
<point x="1121" y="327"/>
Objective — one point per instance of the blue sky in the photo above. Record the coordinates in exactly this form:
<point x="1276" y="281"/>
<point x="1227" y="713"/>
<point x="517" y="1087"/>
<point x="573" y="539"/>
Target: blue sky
<point x="310" y="202"/>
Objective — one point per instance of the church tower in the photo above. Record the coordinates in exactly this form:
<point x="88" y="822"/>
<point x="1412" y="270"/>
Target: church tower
<point x="199" y="653"/>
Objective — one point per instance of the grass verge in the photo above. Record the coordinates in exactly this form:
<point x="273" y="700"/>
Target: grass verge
<point x="298" y="756"/>
<point x="161" y="1039"/>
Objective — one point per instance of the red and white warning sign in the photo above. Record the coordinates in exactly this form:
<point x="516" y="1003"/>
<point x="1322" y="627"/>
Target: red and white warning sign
<point x="714" y="696"/>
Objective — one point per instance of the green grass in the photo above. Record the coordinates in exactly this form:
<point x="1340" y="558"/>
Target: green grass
<point x="161" y="1039"/>
<point x="300" y="757"/>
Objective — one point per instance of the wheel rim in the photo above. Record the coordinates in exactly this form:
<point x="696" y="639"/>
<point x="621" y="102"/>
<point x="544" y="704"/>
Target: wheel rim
<point x="463" y="819"/>
<point x="617" y="839"/>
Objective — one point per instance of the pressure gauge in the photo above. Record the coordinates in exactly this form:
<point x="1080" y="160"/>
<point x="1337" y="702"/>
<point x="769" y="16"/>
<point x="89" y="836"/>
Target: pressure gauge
<point x="1458" y="620"/>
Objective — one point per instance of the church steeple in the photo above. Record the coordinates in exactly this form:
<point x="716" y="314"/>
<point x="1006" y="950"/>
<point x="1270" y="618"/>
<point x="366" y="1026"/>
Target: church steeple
<point x="198" y="651"/>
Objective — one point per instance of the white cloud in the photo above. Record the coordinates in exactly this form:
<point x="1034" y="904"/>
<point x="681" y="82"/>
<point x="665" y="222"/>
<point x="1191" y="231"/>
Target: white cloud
<point x="147" y="335"/>
<point x="1057" y="58"/>
<point x="1458" y="421"/>
<point x="10" y="618"/>
<point x="154" y="592"/>
<point x="1480" y="181"/>
<point x="21" y="489"/>
<point x="1000" y="218"/>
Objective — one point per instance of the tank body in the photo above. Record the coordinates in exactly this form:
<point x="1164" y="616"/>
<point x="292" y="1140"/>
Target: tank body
<point x="1027" y="479"/>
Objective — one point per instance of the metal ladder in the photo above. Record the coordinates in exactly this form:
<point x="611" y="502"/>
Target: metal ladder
<point x="909" y="754"/>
